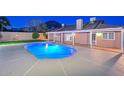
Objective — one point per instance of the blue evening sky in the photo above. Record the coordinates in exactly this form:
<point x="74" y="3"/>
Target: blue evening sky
<point x="20" y="21"/>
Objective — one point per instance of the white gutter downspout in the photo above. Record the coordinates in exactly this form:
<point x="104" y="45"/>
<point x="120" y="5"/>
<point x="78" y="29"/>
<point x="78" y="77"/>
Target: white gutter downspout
<point x="122" y="41"/>
<point x="91" y="45"/>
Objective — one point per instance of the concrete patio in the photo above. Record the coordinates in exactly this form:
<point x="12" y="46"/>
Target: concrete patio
<point x="16" y="61"/>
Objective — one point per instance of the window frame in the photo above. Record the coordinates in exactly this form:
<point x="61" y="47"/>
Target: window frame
<point x="108" y="36"/>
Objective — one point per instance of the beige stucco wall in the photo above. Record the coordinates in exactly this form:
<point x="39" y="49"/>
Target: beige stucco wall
<point x="82" y="38"/>
<point x="109" y="43"/>
<point x="13" y="36"/>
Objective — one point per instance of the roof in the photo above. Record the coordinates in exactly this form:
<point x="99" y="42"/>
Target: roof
<point x="117" y="29"/>
<point x="95" y="25"/>
<point x="67" y="27"/>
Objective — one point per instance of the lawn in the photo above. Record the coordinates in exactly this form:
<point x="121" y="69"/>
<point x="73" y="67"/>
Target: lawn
<point x="19" y="41"/>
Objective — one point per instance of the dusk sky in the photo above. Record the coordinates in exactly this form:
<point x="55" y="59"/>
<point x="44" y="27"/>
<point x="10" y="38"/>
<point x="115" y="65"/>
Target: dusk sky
<point x="20" y="21"/>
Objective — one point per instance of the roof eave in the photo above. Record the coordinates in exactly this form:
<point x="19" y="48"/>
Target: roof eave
<point x="89" y="30"/>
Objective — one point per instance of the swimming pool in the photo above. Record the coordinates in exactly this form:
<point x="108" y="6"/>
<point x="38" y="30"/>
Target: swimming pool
<point x="49" y="50"/>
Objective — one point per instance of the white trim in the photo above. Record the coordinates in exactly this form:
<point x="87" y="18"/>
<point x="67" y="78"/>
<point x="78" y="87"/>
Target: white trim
<point x="91" y="30"/>
<point x="73" y="41"/>
<point x="108" y="36"/>
<point x="54" y="39"/>
<point x="96" y="40"/>
<point x="61" y="36"/>
<point x="48" y="36"/>
<point x="91" y="45"/>
<point x="122" y="41"/>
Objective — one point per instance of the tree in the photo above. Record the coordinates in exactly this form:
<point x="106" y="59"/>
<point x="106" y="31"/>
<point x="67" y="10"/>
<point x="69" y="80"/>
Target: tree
<point x="4" y="22"/>
<point x="36" y="26"/>
<point x="35" y="35"/>
<point x="33" y="26"/>
<point x="52" y="25"/>
<point x="43" y="27"/>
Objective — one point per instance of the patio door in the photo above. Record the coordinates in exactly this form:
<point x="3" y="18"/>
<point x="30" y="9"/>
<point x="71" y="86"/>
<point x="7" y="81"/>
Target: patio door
<point x="94" y="39"/>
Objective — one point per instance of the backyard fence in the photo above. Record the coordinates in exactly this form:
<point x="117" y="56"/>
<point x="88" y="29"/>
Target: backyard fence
<point x="14" y="36"/>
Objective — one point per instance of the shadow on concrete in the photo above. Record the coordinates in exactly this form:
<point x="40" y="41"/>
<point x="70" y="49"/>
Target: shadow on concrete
<point x="113" y="60"/>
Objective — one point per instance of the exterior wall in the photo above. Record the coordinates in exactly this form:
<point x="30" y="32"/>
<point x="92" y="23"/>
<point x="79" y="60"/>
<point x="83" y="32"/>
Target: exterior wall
<point x="65" y="41"/>
<point x="82" y="38"/>
<point x="58" y="38"/>
<point x="51" y="37"/>
<point x="13" y="36"/>
<point x="109" y="43"/>
<point x="117" y="40"/>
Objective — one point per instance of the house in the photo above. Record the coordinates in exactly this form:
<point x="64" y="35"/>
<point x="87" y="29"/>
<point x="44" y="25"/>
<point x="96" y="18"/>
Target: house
<point x="94" y="33"/>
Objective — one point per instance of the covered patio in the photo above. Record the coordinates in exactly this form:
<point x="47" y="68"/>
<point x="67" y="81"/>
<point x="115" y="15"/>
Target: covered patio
<point x="60" y="37"/>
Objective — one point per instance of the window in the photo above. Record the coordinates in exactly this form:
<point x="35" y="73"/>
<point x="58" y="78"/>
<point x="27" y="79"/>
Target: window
<point x="69" y="37"/>
<point x="109" y="36"/>
<point x="57" y="34"/>
<point x="104" y="35"/>
<point x="94" y="37"/>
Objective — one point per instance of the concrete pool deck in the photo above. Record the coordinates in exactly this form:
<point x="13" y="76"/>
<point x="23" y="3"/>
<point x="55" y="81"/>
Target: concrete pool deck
<point x="16" y="61"/>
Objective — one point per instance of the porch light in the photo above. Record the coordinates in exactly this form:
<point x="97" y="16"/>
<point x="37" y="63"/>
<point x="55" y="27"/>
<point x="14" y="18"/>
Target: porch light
<point x="99" y="34"/>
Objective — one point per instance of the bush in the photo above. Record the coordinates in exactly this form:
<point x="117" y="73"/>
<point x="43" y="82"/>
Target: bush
<point x="35" y="35"/>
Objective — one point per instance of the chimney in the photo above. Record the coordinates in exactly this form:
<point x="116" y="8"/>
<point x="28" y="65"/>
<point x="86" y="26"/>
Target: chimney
<point x="79" y="24"/>
<point x="92" y="19"/>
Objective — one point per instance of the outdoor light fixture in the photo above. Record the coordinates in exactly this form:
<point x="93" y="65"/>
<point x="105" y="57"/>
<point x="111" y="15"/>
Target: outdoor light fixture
<point x="99" y="34"/>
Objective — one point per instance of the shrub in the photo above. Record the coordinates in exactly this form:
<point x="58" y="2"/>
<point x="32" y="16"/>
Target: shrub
<point x="35" y="35"/>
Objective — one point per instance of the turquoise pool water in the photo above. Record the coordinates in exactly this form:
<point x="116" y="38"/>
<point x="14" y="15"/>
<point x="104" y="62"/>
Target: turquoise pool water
<point x="49" y="50"/>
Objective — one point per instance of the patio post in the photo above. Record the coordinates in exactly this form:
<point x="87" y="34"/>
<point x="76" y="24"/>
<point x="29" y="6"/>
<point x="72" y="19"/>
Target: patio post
<point x="61" y="37"/>
<point x="91" y="45"/>
<point x="54" y="37"/>
<point x="73" y="39"/>
<point x="48" y="37"/>
<point x="122" y="41"/>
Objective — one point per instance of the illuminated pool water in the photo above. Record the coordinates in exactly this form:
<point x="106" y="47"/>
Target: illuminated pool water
<point x="49" y="50"/>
